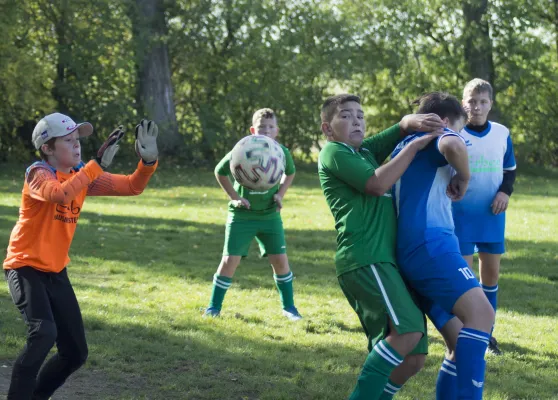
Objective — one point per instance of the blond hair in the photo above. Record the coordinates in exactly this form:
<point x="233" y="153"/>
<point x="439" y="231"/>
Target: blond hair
<point x="262" y="113"/>
<point x="478" y="85"/>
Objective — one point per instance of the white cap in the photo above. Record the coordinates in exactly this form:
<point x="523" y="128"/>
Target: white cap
<point x="57" y="125"/>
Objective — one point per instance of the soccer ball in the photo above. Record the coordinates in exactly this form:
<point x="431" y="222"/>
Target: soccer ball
<point x="257" y="162"/>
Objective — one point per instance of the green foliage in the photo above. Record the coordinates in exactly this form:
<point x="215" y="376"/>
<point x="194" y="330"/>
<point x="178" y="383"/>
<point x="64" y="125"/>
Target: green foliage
<point x="231" y="57"/>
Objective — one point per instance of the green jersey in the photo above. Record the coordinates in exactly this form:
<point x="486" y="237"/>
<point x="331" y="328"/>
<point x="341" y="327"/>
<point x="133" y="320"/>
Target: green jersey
<point x="366" y="225"/>
<point x="262" y="205"/>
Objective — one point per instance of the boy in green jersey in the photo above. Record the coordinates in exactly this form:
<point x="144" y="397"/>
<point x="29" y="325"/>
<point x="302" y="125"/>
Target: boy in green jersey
<point x="255" y="214"/>
<point x="357" y="190"/>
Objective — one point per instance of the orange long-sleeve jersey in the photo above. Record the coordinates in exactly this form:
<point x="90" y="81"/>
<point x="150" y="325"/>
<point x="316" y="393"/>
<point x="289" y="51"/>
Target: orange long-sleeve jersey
<point x="51" y="203"/>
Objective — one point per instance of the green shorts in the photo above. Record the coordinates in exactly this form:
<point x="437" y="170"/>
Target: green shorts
<point x="268" y="233"/>
<point x="378" y="291"/>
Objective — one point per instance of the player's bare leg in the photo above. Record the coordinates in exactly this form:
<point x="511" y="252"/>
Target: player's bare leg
<point x="489" y="271"/>
<point x="228" y="266"/>
<point x="410" y="366"/>
<point x="489" y="268"/>
<point x="284" y="281"/>
<point x="469" y="260"/>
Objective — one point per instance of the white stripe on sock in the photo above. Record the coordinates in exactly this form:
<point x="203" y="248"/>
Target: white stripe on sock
<point x="386" y="357"/>
<point x="389" y="391"/>
<point x="221" y="286"/>
<point x="284" y="279"/>
<point x="391" y="387"/>
<point x="384" y="352"/>
<point x="490" y="290"/>
<point x="447" y="371"/>
<point x="449" y="364"/>
<point x="386" y="298"/>
<point x="223" y="283"/>
<point x="472" y="337"/>
<point x="384" y="347"/>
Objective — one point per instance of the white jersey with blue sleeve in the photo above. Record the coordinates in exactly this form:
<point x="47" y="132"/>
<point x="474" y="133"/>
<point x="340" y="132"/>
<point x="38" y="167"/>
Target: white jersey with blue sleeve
<point x="490" y="154"/>
<point x="424" y="213"/>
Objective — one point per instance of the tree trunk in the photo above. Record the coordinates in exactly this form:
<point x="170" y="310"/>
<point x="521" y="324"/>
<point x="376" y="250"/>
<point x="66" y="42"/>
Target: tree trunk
<point x="59" y="91"/>
<point x="556" y="24"/>
<point x="155" y="95"/>
<point x="478" y="44"/>
<point x="478" y="47"/>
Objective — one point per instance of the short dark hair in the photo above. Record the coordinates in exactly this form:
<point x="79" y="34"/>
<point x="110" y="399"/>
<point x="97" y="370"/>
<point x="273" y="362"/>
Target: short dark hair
<point x="442" y="104"/>
<point x="478" y="85"/>
<point x="50" y="144"/>
<point x="331" y="104"/>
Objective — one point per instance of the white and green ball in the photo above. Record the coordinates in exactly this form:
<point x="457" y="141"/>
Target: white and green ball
<point x="257" y="162"/>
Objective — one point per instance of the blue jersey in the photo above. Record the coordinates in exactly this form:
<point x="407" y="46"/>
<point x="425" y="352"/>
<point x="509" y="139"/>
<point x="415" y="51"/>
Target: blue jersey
<point x="490" y="154"/>
<point x="424" y="214"/>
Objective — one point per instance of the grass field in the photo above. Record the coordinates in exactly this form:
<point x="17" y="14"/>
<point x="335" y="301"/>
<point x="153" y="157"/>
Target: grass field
<point x="142" y="270"/>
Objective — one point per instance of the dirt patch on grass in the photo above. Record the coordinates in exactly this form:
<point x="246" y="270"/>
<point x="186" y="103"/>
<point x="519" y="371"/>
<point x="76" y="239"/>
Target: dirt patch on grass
<point x="85" y="384"/>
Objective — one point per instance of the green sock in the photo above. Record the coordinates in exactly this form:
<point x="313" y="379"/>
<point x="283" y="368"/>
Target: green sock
<point x="379" y="364"/>
<point x="220" y="286"/>
<point x="284" y="284"/>
<point x="390" y="390"/>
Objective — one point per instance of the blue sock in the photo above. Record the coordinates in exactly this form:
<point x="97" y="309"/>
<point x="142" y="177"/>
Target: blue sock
<point x="469" y="354"/>
<point x="446" y="385"/>
<point x="491" y="293"/>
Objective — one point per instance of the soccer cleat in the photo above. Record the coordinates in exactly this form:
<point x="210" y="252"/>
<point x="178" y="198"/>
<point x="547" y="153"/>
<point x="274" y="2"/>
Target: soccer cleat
<point x="493" y="347"/>
<point x="212" y="312"/>
<point x="292" y="314"/>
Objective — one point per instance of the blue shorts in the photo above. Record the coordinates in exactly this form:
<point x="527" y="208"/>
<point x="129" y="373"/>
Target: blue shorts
<point x="470" y="248"/>
<point x="440" y="280"/>
<point x="435" y="313"/>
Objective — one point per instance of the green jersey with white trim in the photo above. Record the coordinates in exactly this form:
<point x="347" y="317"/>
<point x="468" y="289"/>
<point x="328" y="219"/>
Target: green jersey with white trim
<point x="366" y="225"/>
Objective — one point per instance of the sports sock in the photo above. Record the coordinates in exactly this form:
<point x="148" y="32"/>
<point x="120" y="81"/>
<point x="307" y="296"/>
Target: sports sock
<point x="284" y="284"/>
<point x="446" y="384"/>
<point x="491" y="293"/>
<point x="220" y="286"/>
<point x="390" y="390"/>
<point x="469" y="354"/>
<point x="379" y="364"/>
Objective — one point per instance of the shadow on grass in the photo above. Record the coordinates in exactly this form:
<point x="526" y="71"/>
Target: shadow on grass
<point x="201" y="359"/>
<point x="194" y="358"/>
<point x="192" y="251"/>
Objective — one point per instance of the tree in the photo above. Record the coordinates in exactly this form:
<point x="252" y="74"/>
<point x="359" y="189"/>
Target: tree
<point x="478" y="43"/>
<point x="155" y="94"/>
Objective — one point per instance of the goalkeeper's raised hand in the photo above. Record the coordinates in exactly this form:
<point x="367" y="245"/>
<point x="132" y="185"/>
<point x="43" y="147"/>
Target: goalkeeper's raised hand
<point x="108" y="150"/>
<point x="146" y="141"/>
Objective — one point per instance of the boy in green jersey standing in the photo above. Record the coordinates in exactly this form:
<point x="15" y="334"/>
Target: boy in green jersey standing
<point x="255" y="214"/>
<point x="357" y="190"/>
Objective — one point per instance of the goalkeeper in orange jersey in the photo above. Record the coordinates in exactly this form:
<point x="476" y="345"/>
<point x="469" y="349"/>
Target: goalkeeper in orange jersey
<point x="35" y="266"/>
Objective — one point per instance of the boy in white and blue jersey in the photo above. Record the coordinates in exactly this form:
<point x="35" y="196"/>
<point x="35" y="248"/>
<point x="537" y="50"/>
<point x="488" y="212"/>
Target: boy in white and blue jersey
<point x="428" y="251"/>
<point x="480" y="217"/>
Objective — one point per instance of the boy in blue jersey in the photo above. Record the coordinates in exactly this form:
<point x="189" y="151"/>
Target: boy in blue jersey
<point x="428" y="250"/>
<point x="480" y="217"/>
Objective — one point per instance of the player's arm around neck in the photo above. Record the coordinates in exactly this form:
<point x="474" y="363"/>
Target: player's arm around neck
<point x="455" y="152"/>
<point x="386" y="176"/>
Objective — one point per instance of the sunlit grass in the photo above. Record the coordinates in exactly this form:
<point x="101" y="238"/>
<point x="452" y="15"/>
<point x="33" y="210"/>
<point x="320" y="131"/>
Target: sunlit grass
<point x="142" y="270"/>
